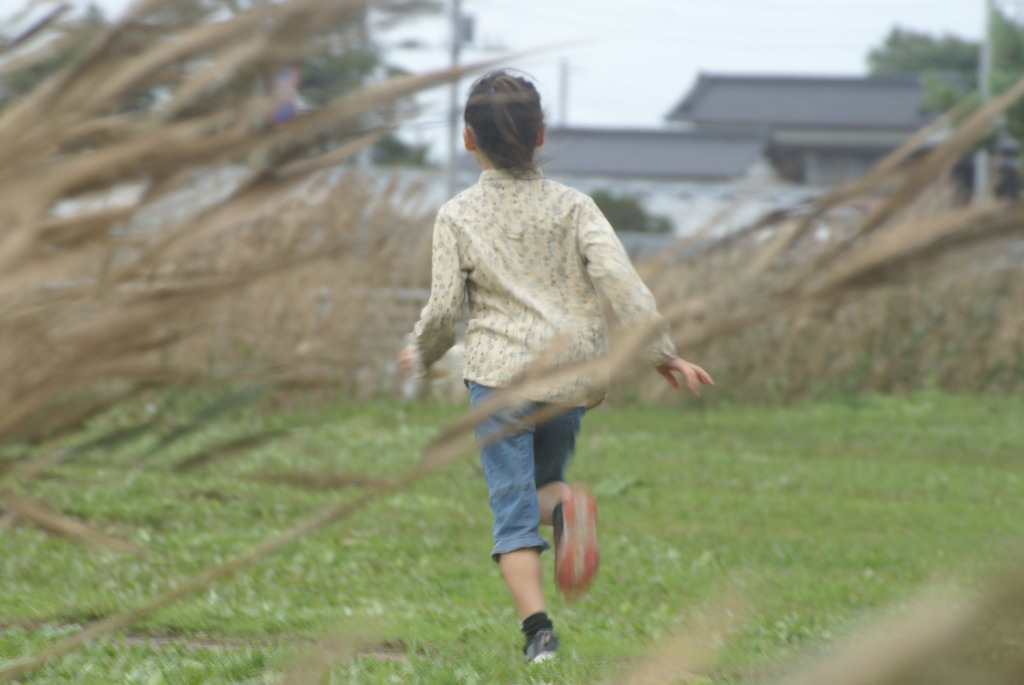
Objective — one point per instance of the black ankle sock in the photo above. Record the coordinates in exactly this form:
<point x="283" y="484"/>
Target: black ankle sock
<point x="535" y="623"/>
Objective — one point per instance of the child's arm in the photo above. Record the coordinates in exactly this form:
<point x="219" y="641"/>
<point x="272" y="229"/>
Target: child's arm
<point x="611" y="271"/>
<point x="434" y="333"/>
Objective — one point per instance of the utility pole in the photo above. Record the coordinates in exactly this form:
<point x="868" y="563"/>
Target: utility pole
<point x="981" y="157"/>
<point x="563" y="92"/>
<point x="458" y="34"/>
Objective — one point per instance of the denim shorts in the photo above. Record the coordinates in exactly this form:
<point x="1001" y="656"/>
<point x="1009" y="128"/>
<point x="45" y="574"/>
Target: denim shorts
<point x="518" y="463"/>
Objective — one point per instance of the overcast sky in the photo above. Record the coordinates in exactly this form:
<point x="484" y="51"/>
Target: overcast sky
<point x="632" y="60"/>
<point x="629" y="61"/>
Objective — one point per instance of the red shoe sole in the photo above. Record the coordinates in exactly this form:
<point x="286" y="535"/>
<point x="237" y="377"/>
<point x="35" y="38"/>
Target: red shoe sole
<point x="577" y="557"/>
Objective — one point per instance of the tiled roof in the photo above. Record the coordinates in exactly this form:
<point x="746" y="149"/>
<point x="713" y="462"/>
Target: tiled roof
<point x="890" y="102"/>
<point x="651" y="153"/>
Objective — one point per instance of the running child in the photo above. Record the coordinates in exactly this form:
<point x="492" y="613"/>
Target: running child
<point x="531" y="257"/>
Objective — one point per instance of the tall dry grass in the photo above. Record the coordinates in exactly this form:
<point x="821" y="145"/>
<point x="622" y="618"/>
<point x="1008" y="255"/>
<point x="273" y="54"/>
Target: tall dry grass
<point x="122" y="226"/>
<point x="336" y="322"/>
<point x="178" y="244"/>
<point x="98" y="300"/>
<point x="950" y="320"/>
<point x="884" y="285"/>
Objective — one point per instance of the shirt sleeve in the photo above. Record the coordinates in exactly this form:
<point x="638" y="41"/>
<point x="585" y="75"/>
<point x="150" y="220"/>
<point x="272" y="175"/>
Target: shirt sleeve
<point x="613" y="274"/>
<point x="434" y="333"/>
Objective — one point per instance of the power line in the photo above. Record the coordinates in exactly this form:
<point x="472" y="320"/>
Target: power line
<point x="748" y="6"/>
<point x="776" y="5"/>
<point x="696" y="31"/>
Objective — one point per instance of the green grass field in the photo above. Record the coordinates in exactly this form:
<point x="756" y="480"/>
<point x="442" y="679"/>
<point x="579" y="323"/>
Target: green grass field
<point x="812" y="518"/>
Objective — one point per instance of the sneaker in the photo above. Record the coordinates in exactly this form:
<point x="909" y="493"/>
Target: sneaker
<point x="575" y="530"/>
<point x="542" y="647"/>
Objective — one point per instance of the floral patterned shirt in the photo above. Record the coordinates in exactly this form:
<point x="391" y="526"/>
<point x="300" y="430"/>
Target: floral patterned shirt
<point x="530" y="257"/>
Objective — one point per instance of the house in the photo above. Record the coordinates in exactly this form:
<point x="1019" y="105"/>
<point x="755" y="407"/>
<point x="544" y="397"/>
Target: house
<point x="820" y="130"/>
<point x="693" y="178"/>
<point x="656" y="154"/>
<point x="810" y="130"/>
<point x="737" y="146"/>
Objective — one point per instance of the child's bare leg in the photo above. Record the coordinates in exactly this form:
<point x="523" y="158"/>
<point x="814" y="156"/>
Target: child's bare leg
<point x="521" y="570"/>
<point x="548" y="496"/>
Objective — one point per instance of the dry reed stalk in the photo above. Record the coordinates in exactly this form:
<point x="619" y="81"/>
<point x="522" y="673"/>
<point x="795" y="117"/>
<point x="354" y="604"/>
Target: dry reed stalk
<point x="315" y="663"/>
<point x="128" y="286"/>
<point x="943" y="640"/>
<point x="449" y="446"/>
<point x="888" y="171"/>
<point x="829" y="286"/>
<point x="59" y="524"/>
<point x="686" y="655"/>
<point x="441" y="452"/>
<point x="89" y="290"/>
<point x="136" y="281"/>
<point x="910" y="290"/>
<point x="331" y="320"/>
<point x="227" y="448"/>
<point x="95" y="296"/>
<point x="195" y="583"/>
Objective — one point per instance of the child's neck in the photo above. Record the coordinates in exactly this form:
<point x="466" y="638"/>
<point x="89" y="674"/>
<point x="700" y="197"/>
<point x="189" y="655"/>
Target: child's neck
<point x="482" y="160"/>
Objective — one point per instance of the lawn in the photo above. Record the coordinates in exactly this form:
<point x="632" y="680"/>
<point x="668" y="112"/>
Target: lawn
<point x="807" y="520"/>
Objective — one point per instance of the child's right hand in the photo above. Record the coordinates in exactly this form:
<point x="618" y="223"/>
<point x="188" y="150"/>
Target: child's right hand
<point x="407" y="360"/>
<point x="693" y="374"/>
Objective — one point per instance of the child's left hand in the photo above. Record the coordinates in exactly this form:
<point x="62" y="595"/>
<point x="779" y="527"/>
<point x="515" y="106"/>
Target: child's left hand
<point x="693" y="374"/>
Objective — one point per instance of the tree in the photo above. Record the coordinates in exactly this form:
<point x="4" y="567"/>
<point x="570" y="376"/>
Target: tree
<point x="626" y="214"/>
<point x="353" y="58"/>
<point x="949" y="65"/>
<point x="347" y="57"/>
<point x="393" y="151"/>
<point x="1008" y="67"/>
<point x="907" y="52"/>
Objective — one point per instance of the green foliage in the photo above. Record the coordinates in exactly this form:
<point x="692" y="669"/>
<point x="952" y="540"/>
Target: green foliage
<point x="393" y="151"/>
<point x="1008" y="67"/>
<point x="811" y="515"/>
<point x="326" y="76"/>
<point x="942" y="93"/>
<point x="352" y="58"/>
<point x="905" y="51"/>
<point x="625" y="213"/>
<point x="949" y="65"/>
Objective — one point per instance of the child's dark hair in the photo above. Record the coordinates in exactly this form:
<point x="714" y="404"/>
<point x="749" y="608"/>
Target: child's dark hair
<point x="505" y="116"/>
